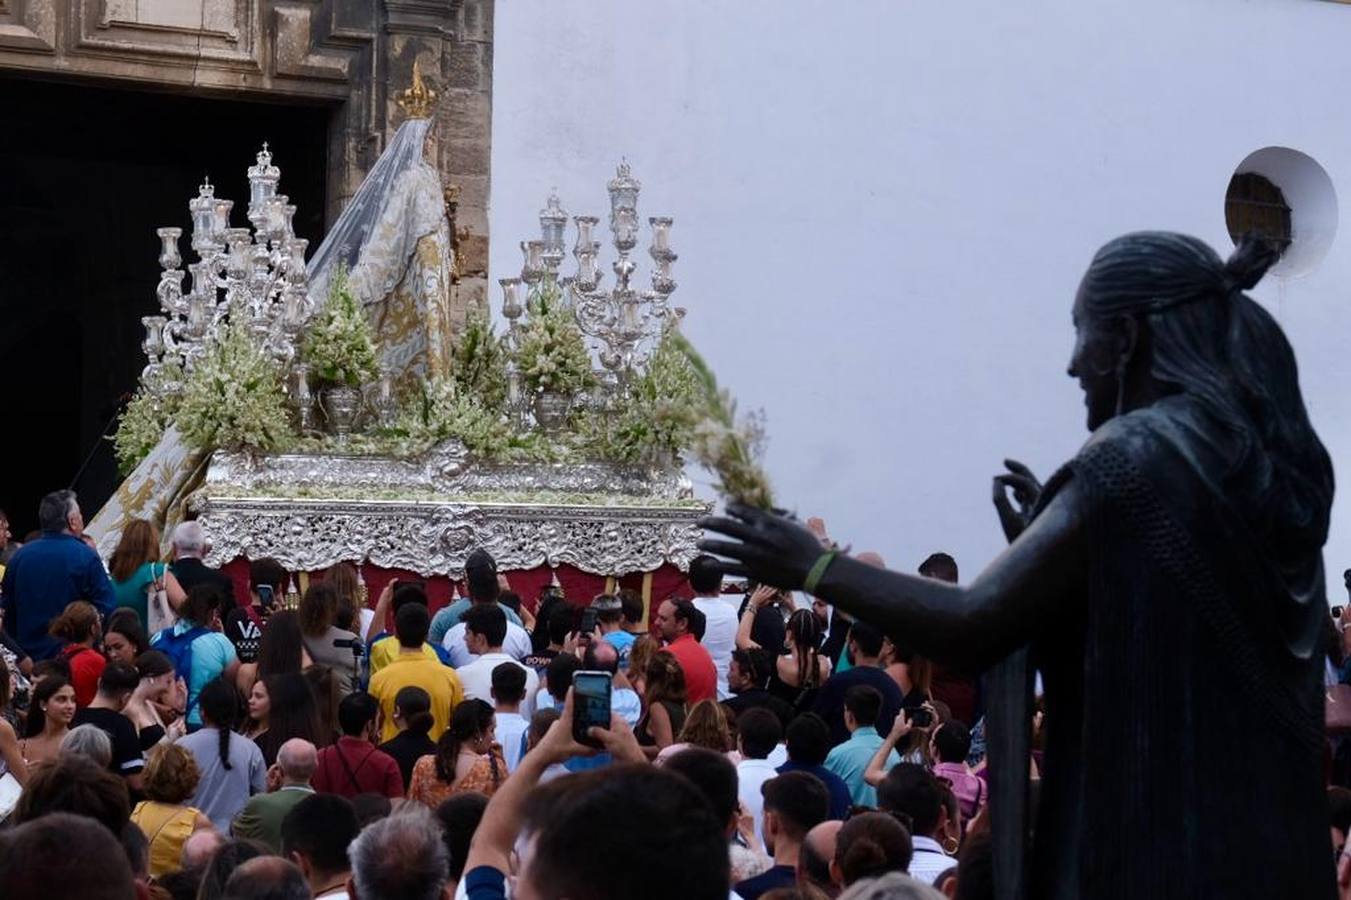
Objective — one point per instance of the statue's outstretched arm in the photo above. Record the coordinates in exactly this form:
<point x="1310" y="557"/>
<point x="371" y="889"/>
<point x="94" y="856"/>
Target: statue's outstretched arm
<point x="1037" y="576"/>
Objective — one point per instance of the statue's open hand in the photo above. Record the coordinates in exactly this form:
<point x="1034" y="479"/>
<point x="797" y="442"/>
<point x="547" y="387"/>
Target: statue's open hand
<point x="769" y="548"/>
<point x="1026" y="490"/>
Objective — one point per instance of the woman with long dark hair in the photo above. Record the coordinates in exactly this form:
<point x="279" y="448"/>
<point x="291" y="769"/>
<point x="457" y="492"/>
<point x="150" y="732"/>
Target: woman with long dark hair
<point x="1169" y="582"/>
<point x="413" y="716"/>
<point x="124" y="637"/>
<point x="800" y="668"/>
<point x="50" y="712"/>
<point x="281" y="651"/>
<point x="325" y="643"/>
<point x="292" y="713"/>
<point x="11" y="756"/>
<point x="466" y="758"/>
<point x="231" y="766"/>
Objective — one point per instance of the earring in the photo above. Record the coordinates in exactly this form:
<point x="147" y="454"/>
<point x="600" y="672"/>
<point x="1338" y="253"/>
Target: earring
<point x="951" y="845"/>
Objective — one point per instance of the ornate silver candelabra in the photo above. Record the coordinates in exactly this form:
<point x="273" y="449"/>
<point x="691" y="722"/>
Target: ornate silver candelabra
<point x="622" y="323"/>
<point x="252" y="278"/>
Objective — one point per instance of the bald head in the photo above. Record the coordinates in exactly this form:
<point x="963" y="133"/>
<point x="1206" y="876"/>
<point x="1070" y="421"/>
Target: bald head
<point x="872" y="558"/>
<point x="818" y="849"/>
<point x="601" y="656"/>
<point x="200" y="847"/>
<point x="267" y="878"/>
<point x="298" y="759"/>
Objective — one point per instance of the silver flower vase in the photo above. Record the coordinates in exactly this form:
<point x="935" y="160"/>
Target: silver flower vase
<point x="552" y="410"/>
<point x="342" y="405"/>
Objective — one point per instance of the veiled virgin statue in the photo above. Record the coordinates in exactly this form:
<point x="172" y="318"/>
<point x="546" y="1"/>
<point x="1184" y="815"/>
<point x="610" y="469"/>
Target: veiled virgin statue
<point x="1168" y="584"/>
<point x="394" y="239"/>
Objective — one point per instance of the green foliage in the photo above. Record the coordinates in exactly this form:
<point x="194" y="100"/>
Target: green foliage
<point x="234" y="398"/>
<point x="145" y="420"/>
<point x="338" y="343"/>
<point x="661" y="410"/>
<point x="728" y="448"/>
<point x="438" y="410"/>
<point x="480" y="363"/>
<point x="552" y="355"/>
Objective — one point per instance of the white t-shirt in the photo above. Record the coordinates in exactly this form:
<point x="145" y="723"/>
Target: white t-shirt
<point x="477" y="680"/>
<point x="517" y="645"/>
<point x="750" y="775"/>
<point x="719" y="636"/>
<point x="510" y="730"/>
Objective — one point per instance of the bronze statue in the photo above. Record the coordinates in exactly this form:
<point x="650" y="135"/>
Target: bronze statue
<point x="1168" y="584"/>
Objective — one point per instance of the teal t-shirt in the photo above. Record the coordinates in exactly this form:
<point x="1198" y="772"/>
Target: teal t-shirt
<point x="212" y="653"/>
<point x="132" y="592"/>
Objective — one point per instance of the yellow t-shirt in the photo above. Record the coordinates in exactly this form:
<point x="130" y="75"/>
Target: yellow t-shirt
<point x="167" y="828"/>
<point x="384" y="651"/>
<point x="403" y="671"/>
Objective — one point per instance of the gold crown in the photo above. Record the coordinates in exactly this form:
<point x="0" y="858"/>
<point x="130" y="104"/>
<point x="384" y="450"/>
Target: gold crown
<point x="419" y="100"/>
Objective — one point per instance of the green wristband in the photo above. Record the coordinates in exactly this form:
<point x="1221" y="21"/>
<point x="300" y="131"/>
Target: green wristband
<point x="818" y="571"/>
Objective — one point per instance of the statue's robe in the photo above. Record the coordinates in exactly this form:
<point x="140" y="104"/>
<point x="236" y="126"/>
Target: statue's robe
<point x="1184" y="696"/>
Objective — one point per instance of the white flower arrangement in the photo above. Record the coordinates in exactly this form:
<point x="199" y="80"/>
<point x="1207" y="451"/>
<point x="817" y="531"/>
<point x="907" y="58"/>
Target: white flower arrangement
<point x="552" y="354"/>
<point x="338" y="346"/>
<point x="234" y="398"/>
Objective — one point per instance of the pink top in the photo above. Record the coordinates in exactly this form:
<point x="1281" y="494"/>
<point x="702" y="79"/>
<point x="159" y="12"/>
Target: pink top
<point x="970" y="790"/>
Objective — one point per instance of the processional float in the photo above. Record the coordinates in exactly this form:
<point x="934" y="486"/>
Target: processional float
<point x="345" y="483"/>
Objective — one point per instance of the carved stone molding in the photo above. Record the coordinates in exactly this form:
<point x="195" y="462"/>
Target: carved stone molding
<point x="27" y="26"/>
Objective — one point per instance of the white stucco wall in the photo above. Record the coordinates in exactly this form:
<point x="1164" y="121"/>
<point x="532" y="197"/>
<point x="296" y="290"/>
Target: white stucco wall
<point x="883" y="209"/>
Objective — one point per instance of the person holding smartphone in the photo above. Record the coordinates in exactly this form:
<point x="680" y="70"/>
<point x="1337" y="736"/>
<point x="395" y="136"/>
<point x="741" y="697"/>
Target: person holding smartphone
<point x="243" y="625"/>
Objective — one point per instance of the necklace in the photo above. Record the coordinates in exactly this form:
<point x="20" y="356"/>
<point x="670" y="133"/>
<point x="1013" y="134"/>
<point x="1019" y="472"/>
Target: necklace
<point x="341" y="883"/>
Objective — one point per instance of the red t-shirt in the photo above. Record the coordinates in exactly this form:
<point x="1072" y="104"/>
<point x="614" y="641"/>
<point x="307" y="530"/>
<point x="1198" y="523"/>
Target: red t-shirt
<point x="86" y="667"/>
<point x="701" y="676"/>
<point x="353" y="766"/>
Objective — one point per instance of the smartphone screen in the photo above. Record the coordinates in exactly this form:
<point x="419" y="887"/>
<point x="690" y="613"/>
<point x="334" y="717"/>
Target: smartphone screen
<point x="588" y="623"/>
<point x="590" y="704"/>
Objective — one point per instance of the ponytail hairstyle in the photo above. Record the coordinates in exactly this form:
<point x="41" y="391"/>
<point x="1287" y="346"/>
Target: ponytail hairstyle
<point x="470" y="719"/>
<point x="1214" y="344"/>
<point x="870" y="845"/>
<point x="219" y="703"/>
<point x="78" y="622"/>
<point x="804" y="633"/>
<point x="414" y="706"/>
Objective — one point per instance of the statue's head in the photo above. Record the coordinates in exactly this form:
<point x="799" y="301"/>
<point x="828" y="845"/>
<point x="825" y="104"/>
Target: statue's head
<point x="1157" y="312"/>
<point x="1160" y="314"/>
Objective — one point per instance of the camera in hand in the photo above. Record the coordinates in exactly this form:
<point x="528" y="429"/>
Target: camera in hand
<point x="590" y="704"/>
<point x="919" y="716"/>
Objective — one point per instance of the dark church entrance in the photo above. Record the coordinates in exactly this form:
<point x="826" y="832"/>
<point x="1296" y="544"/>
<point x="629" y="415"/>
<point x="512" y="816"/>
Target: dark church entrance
<point x="86" y="176"/>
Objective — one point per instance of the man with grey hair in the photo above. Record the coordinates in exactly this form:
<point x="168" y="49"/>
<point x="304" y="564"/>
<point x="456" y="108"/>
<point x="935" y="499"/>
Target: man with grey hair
<point x="200" y="846"/>
<point x="267" y="878"/>
<point x="189" y="545"/>
<point x="402" y="857"/>
<point x="894" y="886"/>
<point x="261" y="817"/>
<point x="46" y="574"/>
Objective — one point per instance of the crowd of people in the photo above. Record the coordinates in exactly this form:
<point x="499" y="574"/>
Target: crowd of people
<point x="160" y="736"/>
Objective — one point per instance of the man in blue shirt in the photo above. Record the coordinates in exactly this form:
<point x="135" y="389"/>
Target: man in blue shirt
<point x="480" y="579"/>
<point x="850" y="759"/>
<point x="808" y="741"/>
<point x="865" y="648"/>
<point x="45" y="575"/>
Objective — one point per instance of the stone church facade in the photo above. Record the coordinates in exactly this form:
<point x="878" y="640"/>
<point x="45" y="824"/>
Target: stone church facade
<point x="350" y="56"/>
